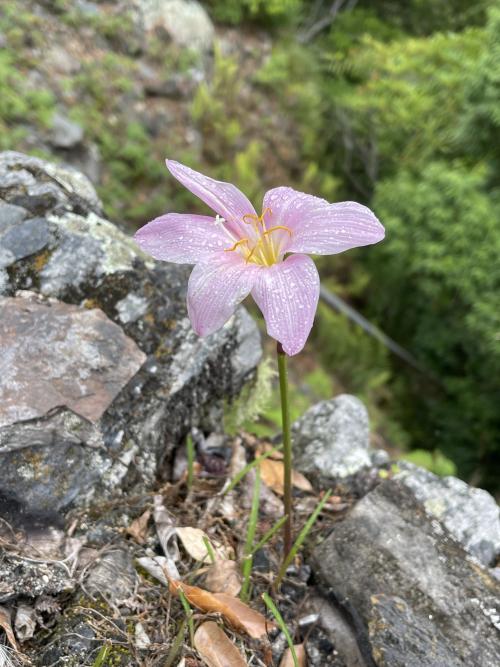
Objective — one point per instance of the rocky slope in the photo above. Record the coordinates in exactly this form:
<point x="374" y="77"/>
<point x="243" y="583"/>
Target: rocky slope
<point x="101" y="373"/>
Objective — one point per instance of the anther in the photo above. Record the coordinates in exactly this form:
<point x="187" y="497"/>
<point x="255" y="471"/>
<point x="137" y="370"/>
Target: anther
<point x="253" y="218"/>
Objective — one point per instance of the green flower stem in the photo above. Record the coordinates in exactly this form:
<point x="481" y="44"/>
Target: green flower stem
<point x="287" y="449"/>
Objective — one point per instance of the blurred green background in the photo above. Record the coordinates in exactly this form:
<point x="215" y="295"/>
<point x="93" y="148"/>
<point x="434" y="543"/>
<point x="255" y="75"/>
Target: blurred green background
<point x="393" y="104"/>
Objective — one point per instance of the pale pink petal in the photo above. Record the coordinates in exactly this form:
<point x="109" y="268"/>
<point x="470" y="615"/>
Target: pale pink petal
<point x="215" y="288"/>
<point x="184" y="239"/>
<point x="287" y="294"/>
<point x="223" y="198"/>
<point x="318" y="227"/>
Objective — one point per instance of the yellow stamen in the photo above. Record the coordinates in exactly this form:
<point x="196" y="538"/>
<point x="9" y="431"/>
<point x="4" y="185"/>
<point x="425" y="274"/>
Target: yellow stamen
<point x="238" y="243"/>
<point x="249" y="256"/>
<point x="286" y="229"/>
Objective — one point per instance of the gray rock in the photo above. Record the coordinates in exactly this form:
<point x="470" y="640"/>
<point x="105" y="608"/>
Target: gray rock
<point x="131" y="308"/>
<point x="417" y="598"/>
<point x="40" y="186"/>
<point x="6" y="257"/>
<point x="26" y="238"/>
<point x="471" y="515"/>
<point x="57" y="355"/>
<point x="49" y="462"/>
<point x="11" y="215"/>
<point x="24" y="577"/>
<point x="332" y="438"/>
<point x="186" y="21"/>
<point x="67" y="439"/>
<point x="65" y="133"/>
<point x="4" y="278"/>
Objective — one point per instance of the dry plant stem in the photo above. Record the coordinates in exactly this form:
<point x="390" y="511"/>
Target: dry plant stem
<point x="287" y="449"/>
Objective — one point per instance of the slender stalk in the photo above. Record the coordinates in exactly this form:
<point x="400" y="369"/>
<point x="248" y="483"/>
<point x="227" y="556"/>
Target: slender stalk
<point x="301" y="538"/>
<point x="190" y="461"/>
<point x="252" y="528"/>
<point x="287" y="449"/>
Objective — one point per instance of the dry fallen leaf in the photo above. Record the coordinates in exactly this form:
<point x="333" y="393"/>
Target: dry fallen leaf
<point x="287" y="659"/>
<point x="273" y="474"/>
<point x="264" y="447"/>
<point x="159" y="567"/>
<point x="165" y="527"/>
<point x="138" y="529"/>
<point x="224" y="577"/>
<point x="5" y="624"/>
<point x="215" y="648"/>
<point x="236" y="612"/>
<point x="193" y="542"/>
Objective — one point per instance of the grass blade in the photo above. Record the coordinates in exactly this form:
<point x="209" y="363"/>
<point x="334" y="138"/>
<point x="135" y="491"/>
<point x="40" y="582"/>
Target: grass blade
<point x="210" y="550"/>
<point x="282" y="626"/>
<point x="270" y="533"/>
<point x="239" y="476"/>
<point x="176" y="645"/>
<point x="189" y="615"/>
<point x="301" y="538"/>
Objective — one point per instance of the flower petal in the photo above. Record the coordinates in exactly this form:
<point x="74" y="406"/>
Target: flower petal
<point x="321" y="228"/>
<point x="215" y="288"/>
<point x="184" y="239"/>
<point x="287" y="294"/>
<point x="223" y="198"/>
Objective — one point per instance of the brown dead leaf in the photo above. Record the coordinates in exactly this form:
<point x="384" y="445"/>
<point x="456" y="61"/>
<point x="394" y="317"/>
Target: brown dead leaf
<point x="287" y="659"/>
<point x="224" y="577"/>
<point x="193" y="542"/>
<point x="138" y="529"/>
<point x="215" y="647"/>
<point x="273" y="475"/>
<point x="5" y="624"/>
<point x="236" y="612"/>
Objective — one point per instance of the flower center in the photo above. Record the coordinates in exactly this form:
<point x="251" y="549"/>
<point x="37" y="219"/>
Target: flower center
<point x="262" y="246"/>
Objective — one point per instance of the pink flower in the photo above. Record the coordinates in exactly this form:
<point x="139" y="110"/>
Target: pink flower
<point x="240" y="252"/>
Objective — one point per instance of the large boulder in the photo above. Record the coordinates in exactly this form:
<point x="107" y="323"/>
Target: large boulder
<point x="471" y="515"/>
<point x="186" y="22"/>
<point x="416" y="597"/>
<point x="101" y="373"/>
<point x="332" y="438"/>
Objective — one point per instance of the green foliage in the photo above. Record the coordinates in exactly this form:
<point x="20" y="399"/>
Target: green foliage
<point x="361" y="365"/>
<point x="434" y="461"/>
<point x="480" y="124"/>
<point x="263" y="11"/>
<point x="422" y="17"/>
<point x="438" y="279"/>
<point x="20" y="104"/>
<point x="404" y="106"/>
<point x="252" y="401"/>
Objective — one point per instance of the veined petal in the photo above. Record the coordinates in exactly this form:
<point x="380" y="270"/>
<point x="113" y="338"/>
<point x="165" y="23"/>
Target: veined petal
<point x="287" y="294"/>
<point x="184" y="239"/>
<point x="321" y="228"/>
<point x="223" y="198"/>
<point x="215" y="288"/>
